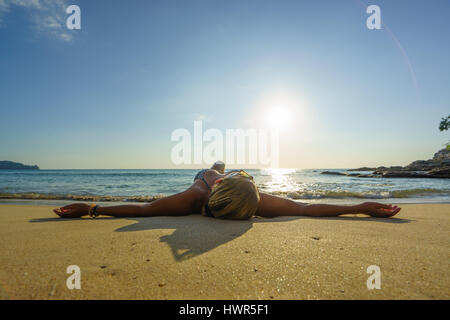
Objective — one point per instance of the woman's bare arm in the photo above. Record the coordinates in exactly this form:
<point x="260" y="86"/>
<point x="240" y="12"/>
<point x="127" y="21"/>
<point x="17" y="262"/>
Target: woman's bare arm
<point x="184" y="203"/>
<point x="273" y="206"/>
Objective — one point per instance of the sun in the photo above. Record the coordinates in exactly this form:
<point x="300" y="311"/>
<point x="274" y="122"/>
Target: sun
<point x="278" y="117"/>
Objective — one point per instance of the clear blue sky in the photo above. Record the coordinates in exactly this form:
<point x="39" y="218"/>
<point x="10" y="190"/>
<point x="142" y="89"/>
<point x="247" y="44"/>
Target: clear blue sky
<point x="110" y="95"/>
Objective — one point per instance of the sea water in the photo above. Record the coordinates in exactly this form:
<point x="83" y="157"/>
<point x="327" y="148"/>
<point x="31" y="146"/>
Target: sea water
<point x="307" y="185"/>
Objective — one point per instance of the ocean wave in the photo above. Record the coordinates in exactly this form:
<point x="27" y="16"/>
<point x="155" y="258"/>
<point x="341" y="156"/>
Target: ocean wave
<point x="298" y="195"/>
<point x="121" y="186"/>
<point x="343" y="194"/>
<point x="100" y="174"/>
<point x="419" y="192"/>
<point x="88" y="198"/>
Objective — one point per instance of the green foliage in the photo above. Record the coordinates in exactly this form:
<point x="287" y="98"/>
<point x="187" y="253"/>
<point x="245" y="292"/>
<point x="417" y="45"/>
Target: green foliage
<point x="444" y="124"/>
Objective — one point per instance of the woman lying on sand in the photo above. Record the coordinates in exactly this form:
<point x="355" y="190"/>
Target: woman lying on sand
<point x="231" y="195"/>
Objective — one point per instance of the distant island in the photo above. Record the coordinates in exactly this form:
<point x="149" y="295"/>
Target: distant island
<point x="10" y="165"/>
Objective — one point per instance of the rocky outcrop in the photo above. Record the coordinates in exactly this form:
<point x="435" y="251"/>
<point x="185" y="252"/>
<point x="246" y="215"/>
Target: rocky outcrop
<point x="442" y="155"/>
<point x="334" y="173"/>
<point x="363" y="169"/>
<point x="10" y="165"/>
<point x="437" y="167"/>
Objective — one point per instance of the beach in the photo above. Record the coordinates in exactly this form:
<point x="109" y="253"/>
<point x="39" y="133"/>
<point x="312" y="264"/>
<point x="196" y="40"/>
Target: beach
<point x="195" y="257"/>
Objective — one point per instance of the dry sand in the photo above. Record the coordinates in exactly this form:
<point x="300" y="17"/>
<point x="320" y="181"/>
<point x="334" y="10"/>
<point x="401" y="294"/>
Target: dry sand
<point x="195" y="257"/>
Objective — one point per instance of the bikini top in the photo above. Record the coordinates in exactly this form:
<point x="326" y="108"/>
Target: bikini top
<point x="201" y="175"/>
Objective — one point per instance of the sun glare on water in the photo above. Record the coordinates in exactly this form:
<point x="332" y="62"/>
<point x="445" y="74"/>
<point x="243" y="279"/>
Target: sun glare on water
<point x="279" y="171"/>
<point x="280" y="179"/>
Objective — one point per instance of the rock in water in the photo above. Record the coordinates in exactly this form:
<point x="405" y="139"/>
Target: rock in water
<point x="334" y="173"/>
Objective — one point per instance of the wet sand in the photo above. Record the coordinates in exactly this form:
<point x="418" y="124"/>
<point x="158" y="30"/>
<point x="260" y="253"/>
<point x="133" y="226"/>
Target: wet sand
<point x="195" y="257"/>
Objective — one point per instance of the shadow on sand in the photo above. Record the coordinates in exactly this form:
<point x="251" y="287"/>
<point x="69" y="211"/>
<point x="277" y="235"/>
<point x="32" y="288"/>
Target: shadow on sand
<point x="195" y="234"/>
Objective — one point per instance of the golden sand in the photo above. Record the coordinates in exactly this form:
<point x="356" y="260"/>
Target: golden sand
<point x="196" y="257"/>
